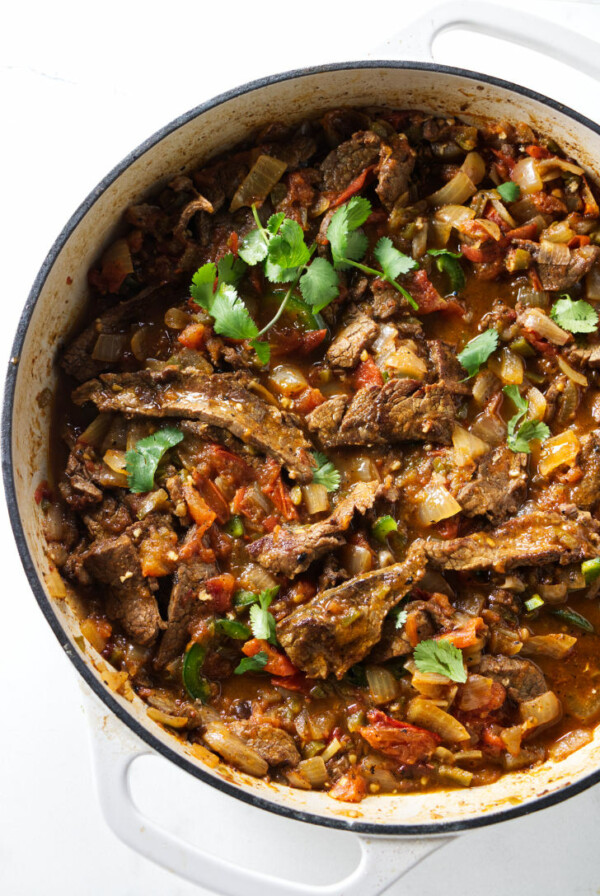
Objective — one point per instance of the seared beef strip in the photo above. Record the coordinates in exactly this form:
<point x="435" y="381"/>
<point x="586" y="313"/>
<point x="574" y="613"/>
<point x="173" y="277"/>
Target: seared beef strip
<point x="336" y="629"/>
<point x="185" y="607"/>
<point x="586" y="493"/>
<point x="557" y="278"/>
<point x="349" y="343"/>
<point x="221" y="400"/>
<point x="274" y="745"/>
<point x="291" y="549"/>
<point x="499" y="488"/>
<point x="533" y="539"/>
<point x="522" y="678"/>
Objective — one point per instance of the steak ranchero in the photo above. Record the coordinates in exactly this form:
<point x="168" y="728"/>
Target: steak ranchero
<point x="326" y="482"/>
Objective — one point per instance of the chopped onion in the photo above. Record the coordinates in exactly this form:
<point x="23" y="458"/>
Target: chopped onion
<point x="431" y="684"/>
<point x="177" y="319"/>
<point x="503" y="212"/>
<point x="467" y="447"/>
<point x="505" y="641"/>
<point x="331" y="749"/>
<point x="287" y="380"/>
<point x="115" y="460"/>
<point x="535" y="319"/>
<point x="259" y="182"/>
<point x="526" y="175"/>
<point x="157" y="499"/>
<point x="357" y="559"/>
<point x="525" y="757"/>
<point x="541" y="710"/>
<point x="537" y="404"/>
<point x="475" y="693"/>
<point x="315" y="497"/>
<point x="359" y="469"/>
<point x="485" y="385"/>
<point x="435" y="504"/>
<point x="557" y="232"/>
<point x="233" y="749"/>
<point x="556" y="646"/>
<point x="440" y="234"/>
<point x="558" y="451"/>
<point x="109" y="347"/>
<point x="455" y="192"/>
<point x="96" y="431"/>
<point x="489" y="427"/>
<point x="139" y="345"/>
<point x="508" y="366"/>
<point x="474" y="167"/>
<point x="512" y="737"/>
<point x="255" y="578"/>
<point x="419" y="242"/>
<point x="455" y="215"/>
<point x="490" y="227"/>
<point x="592" y="284"/>
<point x="531" y="298"/>
<point x="382" y="684"/>
<point x="573" y="375"/>
<point x="549" y="168"/>
<point x="553" y="594"/>
<point x="572" y="741"/>
<point x="314" y="771"/>
<point x="426" y="714"/>
<point x="554" y="253"/>
<point x="407" y="363"/>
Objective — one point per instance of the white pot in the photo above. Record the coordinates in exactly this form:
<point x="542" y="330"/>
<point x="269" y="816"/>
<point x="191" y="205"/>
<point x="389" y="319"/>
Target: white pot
<point x="413" y="820"/>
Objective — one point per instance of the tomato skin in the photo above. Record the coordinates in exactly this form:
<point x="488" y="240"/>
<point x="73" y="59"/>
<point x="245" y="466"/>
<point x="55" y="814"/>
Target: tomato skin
<point x="399" y="740"/>
<point x="277" y="663"/>
<point x="221" y="590"/>
<point x="350" y="788"/>
<point x="367" y="374"/>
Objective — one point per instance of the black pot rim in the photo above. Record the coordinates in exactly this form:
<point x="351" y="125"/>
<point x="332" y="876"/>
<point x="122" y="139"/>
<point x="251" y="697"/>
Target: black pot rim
<point x="438" y="828"/>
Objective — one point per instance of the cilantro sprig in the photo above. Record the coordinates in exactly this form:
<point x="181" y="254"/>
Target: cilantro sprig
<point x="325" y="473"/>
<point x="349" y="244"/>
<point x="141" y="462"/>
<point x="254" y="663"/>
<point x="441" y="657"/>
<point x="477" y="351"/>
<point x="447" y="262"/>
<point x="509" y="191"/>
<point x="521" y="432"/>
<point x="576" y="317"/>
<point x="262" y="622"/>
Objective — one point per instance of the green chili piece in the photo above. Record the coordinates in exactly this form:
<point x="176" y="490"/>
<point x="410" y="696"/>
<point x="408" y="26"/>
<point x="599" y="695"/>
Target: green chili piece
<point x="534" y="603"/>
<point x="591" y="570"/>
<point x="383" y="526"/>
<point x="233" y="629"/>
<point x="574" y="618"/>
<point x="235" y="527"/>
<point x="195" y="683"/>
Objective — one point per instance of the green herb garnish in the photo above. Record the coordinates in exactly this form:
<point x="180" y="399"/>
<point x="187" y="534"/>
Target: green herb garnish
<point x="244" y="598"/>
<point x="574" y="618"/>
<point x="325" y="474"/>
<point x="195" y="683"/>
<point x="400" y="616"/>
<point x="477" y="351"/>
<point x="509" y="191"/>
<point x="520" y="433"/>
<point x="576" y="317"/>
<point x="447" y="262"/>
<point x="141" y="463"/>
<point x="262" y="622"/>
<point x="254" y="663"/>
<point x="441" y="657"/>
<point x="233" y="629"/>
<point x="383" y="526"/>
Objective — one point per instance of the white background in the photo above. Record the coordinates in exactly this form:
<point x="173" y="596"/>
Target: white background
<point x="81" y="84"/>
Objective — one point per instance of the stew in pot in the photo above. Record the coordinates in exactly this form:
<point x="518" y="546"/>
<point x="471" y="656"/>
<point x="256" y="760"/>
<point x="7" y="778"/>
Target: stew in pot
<point x="329" y="493"/>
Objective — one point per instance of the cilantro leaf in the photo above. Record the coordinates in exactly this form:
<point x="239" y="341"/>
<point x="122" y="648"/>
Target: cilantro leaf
<point x="448" y="263"/>
<point x="517" y="399"/>
<point x="401" y="617"/>
<point x="262" y="349"/>
<point x="319" y="284"/>
<point x="344" y="222"/>
<point x="576" y="317"/>
<point x="441" y="657"/>
<point x="275" y="222"/>
<point x="231" y="269"/>
<point x="325" y="474"/>
<point x="253" y="247"/>
<point x="509" y="191"/>
<point x="356" y="247"/>
<point x="477" y="351"/>
<point x="252" y="663"/>
<point x="276" y="274"/>
<point x="287" y="248"/>
<point x="520" y="433"/>
<point x="262" y="622"/>
<point x="358" y="210"/>
<point x="244" y="598"/>
<point x="233" y="629"/>
<point x="202" y="287"/>
<point x="392" y="261"/>
<point x="142" y="461"/>
<point x="231" y="316"/>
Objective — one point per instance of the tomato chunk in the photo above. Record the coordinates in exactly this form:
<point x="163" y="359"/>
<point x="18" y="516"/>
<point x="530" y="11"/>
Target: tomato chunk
<point x="277" y="663"/>
<point x="399" y="740"/>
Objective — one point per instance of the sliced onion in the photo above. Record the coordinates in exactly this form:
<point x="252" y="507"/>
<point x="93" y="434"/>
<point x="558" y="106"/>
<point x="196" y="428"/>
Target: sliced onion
<point x="485" y="385"/>
<point x="430" y="684"/>
<point x="531" y="298"/>
<point x="474" y="167"/>
<point x="508" y="366"/>
<point x="541" y="710"/>
<point x="440" y="234"/>
<point x="526" y="175"/>
<point x="382" y="684"/>
<point x="259" y="182"/>
<point x="407" y="363"/>
<point x="554" y="253"/>
<point x="572" y="741"/>
<point x="109" y="347"/>
<point x="505" y="641"/>
<point x="557" y="232"/>
<point x="467" y="447"/>
<point x="512" y="737"/>
<point x="316" y="498"/>
<point x="331" y="749"/>
<point x="475" y="693"/>
<point x="435" y="504"/>
<point x="287" y="380"/>
<point x="55" y="584"/>
<point x="359" y="469"/>
<point x="419" y="243"/>
<point x="255" y="578"/>
<point x="96" y="431"/>
<point x="357" y="559"/>
<point x="535" y="319"/>
<point x="549" y="168"/>
<point x="455" y="192"/>
<point x="557" y="646"/>
<point x="489" y="427"/>
<point x="115" y="460"/>
<point x="537" y="404"/>
<point x="573" y="375"/>
<point x="558" y="451"/>
<point x="490" y="227"/>
<point x="426" y="714"/>
<point x="314" y="770"/>
<point x="503" y="212"/>
<point x="177" y="318"/>
<point x="455" y="215"/>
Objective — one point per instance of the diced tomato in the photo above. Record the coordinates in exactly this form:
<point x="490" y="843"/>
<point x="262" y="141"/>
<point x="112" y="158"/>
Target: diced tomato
<point x="538" y="152"/>
<point x="194" y="546"/>
<point x="214" y="460"/>
<point x="505" y="163"/>
<point x="158" y="555"/>
<point x="308" y="400"/>
<point x="427" y="297"/>
<point x="272" y="485"/>
<point x="492" y="215"/>
<point x="492" y="740"/>
<point x="232" y="243"/>
<point x="579" y="240"/>
<point x="350" y="788"/>
<point x="449" y="528"/>
<point x="42" y="493"/>
<point x="221" y="590"/>
<point x="213" y="496"/>
<point x="277" y="663"/>
<point x="297" y="682"/>
<point x="199" y="510"/>
<point x="465" y="636"/>
<point x="245" y="503"/>
<point x="524" y="232"/>
<point x="193" y="336"/>
<point x="401" y="741"/>
<point x="295" y="339"/>
<point x="355" y="187"/>
<point x="367" y="374"/>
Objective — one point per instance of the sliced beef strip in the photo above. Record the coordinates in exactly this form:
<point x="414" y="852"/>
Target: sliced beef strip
<point x="185" y="608"/>
<point x="534" y="539"/>
<point x="337" y="628"/>
<point x="499" y="488"/>
<point x="522" y="678"/>
<point x="429" y="616"/>
<point x="444" y="367"/>
<point x="349" y="159"/>
<point x="115" y="562"/>
<point x="396" y="166"/>
<point x="586" y="493"/>
<point x="77" y="486"/>
<point x="291" y="549"/>
<point x="348" y="345"/>
<point x="222" y="400"/>
<point x="111" y="517"/>
<point x="557" y="278"/>
<point x="273" y="744"/>
<point x="586" y="356"/>
<point x="77" y="360"/>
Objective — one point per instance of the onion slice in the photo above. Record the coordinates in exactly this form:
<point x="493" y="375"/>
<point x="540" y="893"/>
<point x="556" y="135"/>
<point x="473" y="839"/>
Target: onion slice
<point x="259" y="182"/>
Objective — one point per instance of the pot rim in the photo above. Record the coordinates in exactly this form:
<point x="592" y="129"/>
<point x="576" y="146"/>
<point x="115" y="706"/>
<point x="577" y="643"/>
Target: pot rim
<point x="100" y="690"/>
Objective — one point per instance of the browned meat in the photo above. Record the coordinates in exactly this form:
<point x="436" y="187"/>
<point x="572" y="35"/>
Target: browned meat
<point x="586" y="493"/>
<point x="185" y="608"/>
<point x="115" y="562"/>
<point x="499" y="488"/>
<point x="428" y="616"/>
<point x="349" y="343"/>
<point x="221" y="400"/>
<point x="396" y="166"/>
<point x="345" y="163"/>
<point x="586" y="356"/>
<point x="275" y="745"/>
<point x="291" y="549"/>
<point x="337" y="628"/>
<point x="557" y="278"/>
<point x="444" y="368"/>
<point x="77" y="487"/>
<point x="111" y="517"/>
<point x="522" y="678"/>
<point x="530" y="540"/>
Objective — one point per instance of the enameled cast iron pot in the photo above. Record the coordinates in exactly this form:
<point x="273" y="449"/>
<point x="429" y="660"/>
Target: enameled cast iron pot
<point x="395" y="832"/>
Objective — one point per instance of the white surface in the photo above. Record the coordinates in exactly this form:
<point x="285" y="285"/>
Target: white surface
<point x="81" y="84"/>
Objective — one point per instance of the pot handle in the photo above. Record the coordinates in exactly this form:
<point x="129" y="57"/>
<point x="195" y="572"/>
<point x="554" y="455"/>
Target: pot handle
<point x="517" y="26"/>
<point x="115" y="748"/>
